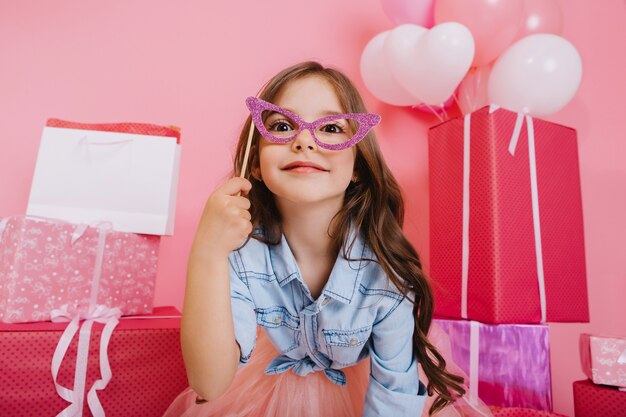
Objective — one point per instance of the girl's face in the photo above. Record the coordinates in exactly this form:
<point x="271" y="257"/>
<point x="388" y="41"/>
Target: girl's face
<point x="299" y="171"/>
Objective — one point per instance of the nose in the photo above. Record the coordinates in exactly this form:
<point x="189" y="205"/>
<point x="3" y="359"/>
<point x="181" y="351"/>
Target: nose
<point x="304" y="140"/>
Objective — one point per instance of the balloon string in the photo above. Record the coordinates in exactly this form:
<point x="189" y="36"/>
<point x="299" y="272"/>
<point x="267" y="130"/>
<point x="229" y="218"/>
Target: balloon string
<point x="456" y="100"/>
<point x="445" y="113"/>
<point x="434" y="112"/>
<point x="477" y="83"/>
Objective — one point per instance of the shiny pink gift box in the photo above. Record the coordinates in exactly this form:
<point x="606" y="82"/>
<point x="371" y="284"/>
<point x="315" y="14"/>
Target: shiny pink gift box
<point x="506" y="222"/>
<point x="512" y="362"/>
<point x="604" y="359"/>
<point x="47" y="264"/>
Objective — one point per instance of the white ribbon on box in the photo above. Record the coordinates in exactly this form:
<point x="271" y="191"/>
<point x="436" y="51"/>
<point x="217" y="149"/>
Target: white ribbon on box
<point x="521" y="117"/>
<point x="96" y="313"/>
<point x="101" y="314"/>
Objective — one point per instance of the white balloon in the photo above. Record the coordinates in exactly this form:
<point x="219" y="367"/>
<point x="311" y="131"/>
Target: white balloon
<point x="539" y="74"/>
<point x="442" y="57"/>
<point x="378" y="77"/>
<point x="400" y="48"/>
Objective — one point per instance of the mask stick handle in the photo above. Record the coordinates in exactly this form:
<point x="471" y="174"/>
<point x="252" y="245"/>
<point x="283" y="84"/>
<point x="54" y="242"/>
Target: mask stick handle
<point x="242" y="174"/>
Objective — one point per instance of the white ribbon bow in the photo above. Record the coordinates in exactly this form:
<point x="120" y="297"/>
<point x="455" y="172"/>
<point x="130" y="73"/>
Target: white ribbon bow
<point x="101" y="314"/>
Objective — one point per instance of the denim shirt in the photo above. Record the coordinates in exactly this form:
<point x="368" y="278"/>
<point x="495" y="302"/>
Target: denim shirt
<point x="359" y="313"/>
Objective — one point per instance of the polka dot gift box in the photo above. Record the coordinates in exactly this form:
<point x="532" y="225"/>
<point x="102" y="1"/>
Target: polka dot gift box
<point x="145" y="360"/>
<point x="506" y="226"/>
<point x="592" y="400"/>
<point x="51" y="266"/>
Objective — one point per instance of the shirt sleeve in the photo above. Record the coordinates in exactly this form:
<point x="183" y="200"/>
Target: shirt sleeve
<point x="394" y="387"/>
<point x="244" y="316"/>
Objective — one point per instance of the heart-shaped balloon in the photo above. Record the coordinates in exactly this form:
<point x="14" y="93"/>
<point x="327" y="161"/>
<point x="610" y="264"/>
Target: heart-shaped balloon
<point x="378" y="77"/>
<point x="439" y="60"/>
<point x="399" y="48"/>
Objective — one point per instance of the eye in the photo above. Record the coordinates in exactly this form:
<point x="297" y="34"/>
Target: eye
<point x="332" y="128"/>
<point x="280" y="126"/>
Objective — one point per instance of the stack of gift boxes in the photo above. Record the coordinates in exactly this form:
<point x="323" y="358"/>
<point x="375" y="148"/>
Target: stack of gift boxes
<point x="79" y="334"/>
<point x="603" y="360"/>
<point x="507" y="248"/>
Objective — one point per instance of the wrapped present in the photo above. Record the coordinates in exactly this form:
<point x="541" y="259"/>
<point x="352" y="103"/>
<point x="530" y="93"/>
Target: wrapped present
<point x="506" y="229"/>
<point x="603" y="359"/>
<point x="591" y="400"/>
<point x="507" y="365"/>
<point x="146" y="369"/>
<point x="521" y="412"/>
<point x="50" y="267"/>
<point x="123" y="173"/>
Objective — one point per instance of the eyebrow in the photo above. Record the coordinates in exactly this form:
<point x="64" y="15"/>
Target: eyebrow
<point x="323" y="113"/>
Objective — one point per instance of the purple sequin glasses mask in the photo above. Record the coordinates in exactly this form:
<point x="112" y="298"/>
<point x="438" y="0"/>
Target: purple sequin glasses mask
<point x="334" y="132"/>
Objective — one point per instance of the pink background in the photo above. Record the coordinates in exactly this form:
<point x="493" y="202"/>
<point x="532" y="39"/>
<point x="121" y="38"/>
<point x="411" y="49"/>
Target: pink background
<point x="192" y="64"/>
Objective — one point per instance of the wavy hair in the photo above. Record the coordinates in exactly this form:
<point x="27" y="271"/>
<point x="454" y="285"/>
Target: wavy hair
<point x="373" y="204"/>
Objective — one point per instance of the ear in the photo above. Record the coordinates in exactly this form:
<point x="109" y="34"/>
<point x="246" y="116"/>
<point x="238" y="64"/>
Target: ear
<point x="255" y="172"/>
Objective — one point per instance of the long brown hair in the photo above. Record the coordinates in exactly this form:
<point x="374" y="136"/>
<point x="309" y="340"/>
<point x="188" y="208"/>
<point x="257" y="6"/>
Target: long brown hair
<point x="375" y="205"/>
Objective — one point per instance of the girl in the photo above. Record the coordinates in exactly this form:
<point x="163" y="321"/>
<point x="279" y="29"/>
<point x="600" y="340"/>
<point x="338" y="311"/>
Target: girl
<point x="324" y="270"/>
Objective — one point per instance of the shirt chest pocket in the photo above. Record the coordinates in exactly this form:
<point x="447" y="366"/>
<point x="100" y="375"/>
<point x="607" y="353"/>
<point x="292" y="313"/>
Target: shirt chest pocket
<point x="345" y="346"/>
<point x="282" y="327"/>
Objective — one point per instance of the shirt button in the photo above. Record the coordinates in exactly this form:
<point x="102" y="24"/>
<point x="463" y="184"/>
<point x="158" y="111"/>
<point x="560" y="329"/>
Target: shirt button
<point x="314" y="353"/>
<point x="277" y="320"/>
<point x="353" y="342"/>
<point x="325" y="301"/>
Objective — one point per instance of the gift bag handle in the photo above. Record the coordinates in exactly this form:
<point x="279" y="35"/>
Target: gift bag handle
<point x="86" y="140"/>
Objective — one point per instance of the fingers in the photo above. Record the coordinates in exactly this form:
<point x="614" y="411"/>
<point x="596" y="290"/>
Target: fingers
<point x="240" y="202"/>
<point x="226" y="221"/>
<point x="235" y="186"/>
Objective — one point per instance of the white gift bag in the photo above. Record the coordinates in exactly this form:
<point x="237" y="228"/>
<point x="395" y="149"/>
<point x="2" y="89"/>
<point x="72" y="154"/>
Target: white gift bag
<point x="89" y="176"/>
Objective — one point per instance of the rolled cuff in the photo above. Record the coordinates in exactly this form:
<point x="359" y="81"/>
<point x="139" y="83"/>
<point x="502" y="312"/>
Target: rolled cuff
<point x="245" y="334"/>
<point x="380" y="401"/>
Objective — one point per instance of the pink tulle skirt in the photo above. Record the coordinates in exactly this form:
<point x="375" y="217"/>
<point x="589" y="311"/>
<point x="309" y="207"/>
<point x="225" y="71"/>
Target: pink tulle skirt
<point x="255" y="394"/>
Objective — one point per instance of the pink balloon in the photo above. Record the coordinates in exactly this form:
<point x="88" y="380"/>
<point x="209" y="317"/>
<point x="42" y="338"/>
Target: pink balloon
<point x="419" y="12"/>
<point x="377" y="75"/>
<point x="472" y="92"/>
<point x="438" y="62"/>
<point x="541" y="16"/>
<point x="494" y="23"/>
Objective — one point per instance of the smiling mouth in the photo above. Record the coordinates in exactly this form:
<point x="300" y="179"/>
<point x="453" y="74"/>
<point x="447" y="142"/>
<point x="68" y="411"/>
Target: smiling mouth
<point x="303" y="167"/>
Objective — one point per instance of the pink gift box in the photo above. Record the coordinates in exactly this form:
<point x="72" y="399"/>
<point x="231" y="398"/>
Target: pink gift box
<point x="144" y="353"/>
<point x="591" y="400"/>
<point x="604" y="359"/>
<point x="512" y="362"/>
<point x="47" y="264"/>
<point x="521" y="412"/>
<point x="506" y="225"/>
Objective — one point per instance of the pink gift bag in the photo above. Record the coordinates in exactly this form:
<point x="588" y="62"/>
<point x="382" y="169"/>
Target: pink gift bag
<point x="604" y="359"/>
<point x="50" y="268"/>
<point x="506" y="223"/>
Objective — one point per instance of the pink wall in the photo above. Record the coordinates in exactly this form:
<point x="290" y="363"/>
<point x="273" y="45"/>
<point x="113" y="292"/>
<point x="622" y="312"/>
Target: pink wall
<point x="192" y="64"/>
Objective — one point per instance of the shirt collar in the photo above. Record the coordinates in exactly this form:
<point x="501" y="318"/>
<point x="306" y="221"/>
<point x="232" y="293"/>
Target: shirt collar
<point x="345" y="276"/>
